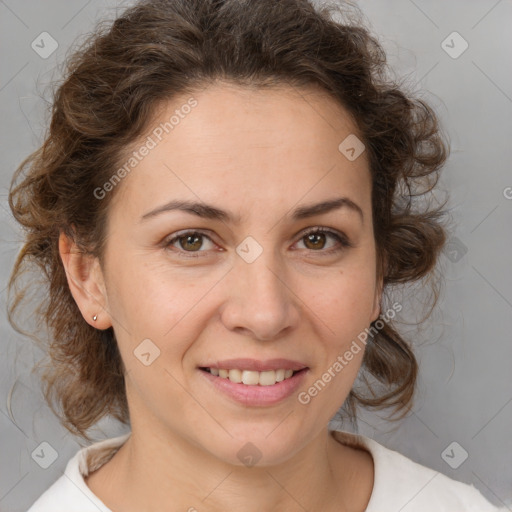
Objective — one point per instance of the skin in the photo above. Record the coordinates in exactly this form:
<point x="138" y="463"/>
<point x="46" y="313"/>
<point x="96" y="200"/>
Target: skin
<point x="258" y="154"/>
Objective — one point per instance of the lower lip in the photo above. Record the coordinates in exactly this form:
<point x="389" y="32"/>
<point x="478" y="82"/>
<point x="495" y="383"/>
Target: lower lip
<point x="255" y="396"/>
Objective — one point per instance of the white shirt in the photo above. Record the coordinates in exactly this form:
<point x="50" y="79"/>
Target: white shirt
<point x="399" y="483"/>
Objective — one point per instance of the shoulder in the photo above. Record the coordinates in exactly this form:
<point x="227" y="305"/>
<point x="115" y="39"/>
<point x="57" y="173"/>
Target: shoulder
<point x="70" y="493"/>
<point x="402" y="484"/>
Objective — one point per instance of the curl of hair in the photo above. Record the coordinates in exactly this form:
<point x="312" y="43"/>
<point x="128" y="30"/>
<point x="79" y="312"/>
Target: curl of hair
<point x="162" y="48"/>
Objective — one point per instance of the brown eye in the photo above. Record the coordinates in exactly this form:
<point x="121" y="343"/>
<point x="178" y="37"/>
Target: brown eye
<point x="189" y="242"/>
<point x="317" y="240"/>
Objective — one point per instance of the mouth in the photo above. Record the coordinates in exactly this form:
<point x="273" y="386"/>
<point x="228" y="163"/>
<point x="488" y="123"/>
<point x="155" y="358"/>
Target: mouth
<point x="254" y="383"/>
<point x="252" y="377"/>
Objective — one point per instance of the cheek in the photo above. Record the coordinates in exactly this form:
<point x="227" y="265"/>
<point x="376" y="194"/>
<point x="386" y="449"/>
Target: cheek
<point x="344" y="302"/>
<point x="153" y="303"/>
<point x="154" y="321"/>
<point x="342" y="311"/>
<point x="150" y="299"/>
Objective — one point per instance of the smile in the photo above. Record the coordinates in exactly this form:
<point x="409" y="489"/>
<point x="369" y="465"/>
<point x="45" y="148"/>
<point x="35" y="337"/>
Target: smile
<point x="252" y="378"/>
<point x="254" y="383"/>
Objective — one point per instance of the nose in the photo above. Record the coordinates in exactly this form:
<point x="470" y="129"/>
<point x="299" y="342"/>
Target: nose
<point x="261" y="302"/>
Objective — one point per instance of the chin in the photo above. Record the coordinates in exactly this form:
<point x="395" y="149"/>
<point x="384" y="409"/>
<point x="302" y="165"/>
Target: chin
<point x="268" y="445"/>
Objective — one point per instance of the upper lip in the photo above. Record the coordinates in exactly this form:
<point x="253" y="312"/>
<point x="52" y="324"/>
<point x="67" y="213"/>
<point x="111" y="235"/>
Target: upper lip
<point x="256" y="365"/>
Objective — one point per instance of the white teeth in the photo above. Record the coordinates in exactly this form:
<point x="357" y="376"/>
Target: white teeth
<point x="268" y="378"/>
<point x="235" y="376"/>
<point x="250" y="378"/>
<point x="253" y="378"/>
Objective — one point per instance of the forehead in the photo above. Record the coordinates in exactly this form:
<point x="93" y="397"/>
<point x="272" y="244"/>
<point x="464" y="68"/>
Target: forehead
<point x="231" y="116"/>
<point x="246" y="145"/>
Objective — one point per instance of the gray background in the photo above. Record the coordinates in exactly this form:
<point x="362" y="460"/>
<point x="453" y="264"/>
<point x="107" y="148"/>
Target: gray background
<point x="465" y="386"/>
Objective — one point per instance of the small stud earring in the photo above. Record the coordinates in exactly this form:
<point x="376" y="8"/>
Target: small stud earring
<point x="95" y="317"/>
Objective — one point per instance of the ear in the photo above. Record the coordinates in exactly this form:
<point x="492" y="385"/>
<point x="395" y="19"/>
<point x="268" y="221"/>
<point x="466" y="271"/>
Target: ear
<point x="86" y="283"/>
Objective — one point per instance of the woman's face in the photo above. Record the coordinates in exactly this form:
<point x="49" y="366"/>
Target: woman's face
<point x="236" y="282"/>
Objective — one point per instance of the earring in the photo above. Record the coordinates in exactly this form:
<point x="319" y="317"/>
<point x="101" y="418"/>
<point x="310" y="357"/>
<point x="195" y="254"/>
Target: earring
<point x="95" y="317"/>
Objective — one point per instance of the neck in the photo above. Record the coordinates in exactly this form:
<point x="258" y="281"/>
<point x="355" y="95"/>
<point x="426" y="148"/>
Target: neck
<point x="163" y="468"/>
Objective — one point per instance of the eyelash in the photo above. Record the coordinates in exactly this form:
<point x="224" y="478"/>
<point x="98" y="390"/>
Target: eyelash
<point x="339" y="237"/>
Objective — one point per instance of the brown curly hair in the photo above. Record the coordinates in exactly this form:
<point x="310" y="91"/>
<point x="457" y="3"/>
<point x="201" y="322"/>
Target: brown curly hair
<point x="161" y="48"/>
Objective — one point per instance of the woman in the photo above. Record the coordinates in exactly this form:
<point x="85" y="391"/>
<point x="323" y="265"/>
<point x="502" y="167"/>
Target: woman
<point x="225" y="194"/>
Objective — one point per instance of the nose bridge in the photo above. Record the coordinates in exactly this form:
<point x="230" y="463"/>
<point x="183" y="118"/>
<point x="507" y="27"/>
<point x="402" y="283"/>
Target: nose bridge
<point x="260" y="274"/>
<point x="261" y="301"/>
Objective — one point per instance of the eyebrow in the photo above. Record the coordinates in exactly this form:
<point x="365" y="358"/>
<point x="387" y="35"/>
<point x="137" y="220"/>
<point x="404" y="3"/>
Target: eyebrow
<point x="211" y="212"/>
